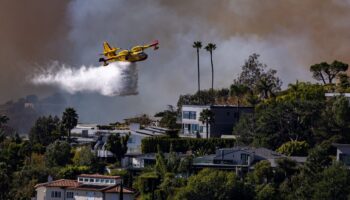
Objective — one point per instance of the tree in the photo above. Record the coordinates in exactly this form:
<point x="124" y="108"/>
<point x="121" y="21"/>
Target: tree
<point x="72" y="171"/>
<point x="198" y="45"/>
<point x="327" y="72"/>
<point x="210" y="48"/>
<point x="206" y="117"/>
<point x="45" y="130"/>
<point x="84" y="157"/>
<point x="334" y="183"/>
<point x="344" y="80"/>
<point x="4" y="181"/>
<point x="266" y="192"/>
<point x="282" y="121"/>
<point x="57" y="154"/>
<point x="238" y="90"/>
<point x="214" y="184"/>
<point x="341" y="113"/>
<point x="168" y="118"/>
<point x="255" y="76"/>
<point x="246" y="129"/>
<point x="262" y="173"/>
<point x="117" y="145"/>
<point x="69" y="120"/>
<point x="267" y="85"/>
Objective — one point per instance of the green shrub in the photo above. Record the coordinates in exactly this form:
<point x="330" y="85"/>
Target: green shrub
<point x="294" y="148"/>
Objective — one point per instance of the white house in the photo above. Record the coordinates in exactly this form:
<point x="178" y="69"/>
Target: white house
<point x="225" y="117"/>
<point x="86" y="187"/>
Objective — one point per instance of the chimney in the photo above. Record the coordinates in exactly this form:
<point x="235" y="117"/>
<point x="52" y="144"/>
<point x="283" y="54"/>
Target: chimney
<point x="49" y="179"/>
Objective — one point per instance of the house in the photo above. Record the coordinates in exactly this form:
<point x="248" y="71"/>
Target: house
<point x="94" y="130"/>
<point x="86" y="187"/>
<point x="343" y="153"/>
<point x="140" y="161"/>
<point x="225" y="118"/>
<point x="136" y="134"/>
<point x="240" y="158"/>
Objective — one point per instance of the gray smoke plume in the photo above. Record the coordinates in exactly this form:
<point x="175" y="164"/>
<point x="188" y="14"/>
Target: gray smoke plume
<point x="290" y="36"/>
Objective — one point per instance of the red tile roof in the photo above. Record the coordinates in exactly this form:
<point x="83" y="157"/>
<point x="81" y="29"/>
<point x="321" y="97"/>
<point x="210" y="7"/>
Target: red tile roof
<point x="116" y="189"/>
<point x="73" y="184"/>
<point x="98" y="176"/>
<point x="59" y="183"/>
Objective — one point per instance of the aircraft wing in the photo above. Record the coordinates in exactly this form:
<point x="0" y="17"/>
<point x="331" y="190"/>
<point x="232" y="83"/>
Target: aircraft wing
<point x="154" y="44"/>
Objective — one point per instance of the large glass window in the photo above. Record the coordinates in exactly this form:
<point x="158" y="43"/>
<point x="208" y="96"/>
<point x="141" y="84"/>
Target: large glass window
<point x="192" y="115"/>
<point x="189" y="115"/>
<point x="185" y="114"/>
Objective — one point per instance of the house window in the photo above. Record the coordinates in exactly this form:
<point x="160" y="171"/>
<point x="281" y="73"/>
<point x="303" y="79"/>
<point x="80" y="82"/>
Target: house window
<point x="81" y="179"/>
<point x="92" y="180"/>
<point x="130" y="140"/>
<point x="194" y="128"/>
<point x="192" y="115"/>
<point x="185" y="114"/>
<point x="70" y="195"/>
<point x="55" y="194"/>
<point x="189" y="115"/>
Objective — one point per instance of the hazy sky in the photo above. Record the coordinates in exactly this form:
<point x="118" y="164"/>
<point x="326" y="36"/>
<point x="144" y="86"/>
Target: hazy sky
<point x="289" y="35"/>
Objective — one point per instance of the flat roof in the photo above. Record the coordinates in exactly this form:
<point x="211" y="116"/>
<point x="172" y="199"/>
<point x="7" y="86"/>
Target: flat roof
<point x="98" y="176"/>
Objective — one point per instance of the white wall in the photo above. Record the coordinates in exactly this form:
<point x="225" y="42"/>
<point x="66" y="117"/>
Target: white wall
<point x="44" y="193"/>
<point x="84" y="195"/>
<point x="198" y="110"/>
<point x="115" y="196"/>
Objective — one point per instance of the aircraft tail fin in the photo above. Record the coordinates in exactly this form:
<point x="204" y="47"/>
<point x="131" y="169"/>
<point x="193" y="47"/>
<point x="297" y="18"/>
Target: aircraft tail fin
<point x="108" y="49"/>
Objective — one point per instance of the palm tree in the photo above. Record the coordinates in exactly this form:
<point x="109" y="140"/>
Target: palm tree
<point x="206" y="117"/>
<point x="211" y="47"/>
<point x="265" y="87"/>
<point x="198" y="45"/>
<point x="69" y="120"/>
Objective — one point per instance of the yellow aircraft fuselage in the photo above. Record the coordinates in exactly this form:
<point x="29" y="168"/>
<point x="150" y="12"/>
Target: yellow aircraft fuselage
<point x="136" y="53"/>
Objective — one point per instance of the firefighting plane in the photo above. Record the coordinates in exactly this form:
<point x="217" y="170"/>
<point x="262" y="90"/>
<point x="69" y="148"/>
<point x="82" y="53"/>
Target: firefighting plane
<point x="135" y="54"/>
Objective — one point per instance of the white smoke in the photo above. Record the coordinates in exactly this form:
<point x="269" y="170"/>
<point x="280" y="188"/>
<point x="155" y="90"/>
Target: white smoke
<point x="116" y="79"/>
